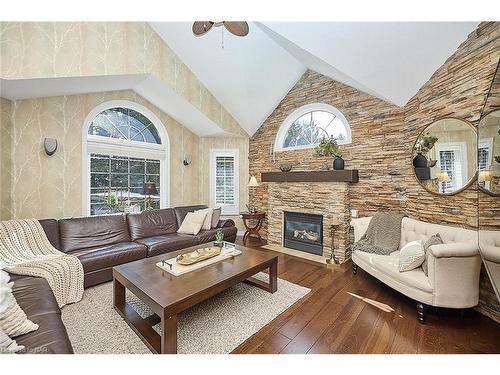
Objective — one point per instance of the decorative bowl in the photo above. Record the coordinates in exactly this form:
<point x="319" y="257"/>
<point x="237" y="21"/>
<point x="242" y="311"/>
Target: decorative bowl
<point x="286" y="167"/>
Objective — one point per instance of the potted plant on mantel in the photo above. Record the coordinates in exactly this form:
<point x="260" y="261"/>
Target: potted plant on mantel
<point x="330" y="147"/>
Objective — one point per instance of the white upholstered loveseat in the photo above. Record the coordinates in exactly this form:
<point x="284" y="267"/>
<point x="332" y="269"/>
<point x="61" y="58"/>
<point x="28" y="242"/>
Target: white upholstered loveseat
<point x="453" y="267"/>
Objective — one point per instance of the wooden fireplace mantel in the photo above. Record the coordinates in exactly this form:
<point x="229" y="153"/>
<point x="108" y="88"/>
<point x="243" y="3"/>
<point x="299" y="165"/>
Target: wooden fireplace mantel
<point x="345" y="175"/>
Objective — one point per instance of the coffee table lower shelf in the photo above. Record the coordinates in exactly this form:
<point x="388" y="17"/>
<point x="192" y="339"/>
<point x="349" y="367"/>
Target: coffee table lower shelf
<point x="166" y="343"/>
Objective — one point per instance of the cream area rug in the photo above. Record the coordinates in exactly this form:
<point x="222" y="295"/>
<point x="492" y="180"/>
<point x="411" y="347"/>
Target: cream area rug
<point x="215" y="326"/>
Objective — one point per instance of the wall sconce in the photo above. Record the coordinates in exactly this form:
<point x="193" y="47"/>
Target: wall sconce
<point x="50" y="146"/>
<point x="187" y="160"/>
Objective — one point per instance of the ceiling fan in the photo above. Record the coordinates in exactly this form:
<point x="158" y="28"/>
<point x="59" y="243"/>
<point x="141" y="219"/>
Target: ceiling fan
<point x="238" y="28"/>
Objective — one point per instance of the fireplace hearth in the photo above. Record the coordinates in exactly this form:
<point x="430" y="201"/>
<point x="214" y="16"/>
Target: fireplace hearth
<point x="303" y="231"/>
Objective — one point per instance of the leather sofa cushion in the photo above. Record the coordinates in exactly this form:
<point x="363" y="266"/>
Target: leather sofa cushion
<point x="34" y="295"/>
<point x="181" y="212"/>
<point x="205" y="236"/>
<point x="100" y="257"/>
<point x="51" y="336"/>
<point x="51" y="229"/>
<point x="167" y="243"/>
<point x="38" y="302"/>
<point x="150" y="223"/>
<point x="88" y="232"/>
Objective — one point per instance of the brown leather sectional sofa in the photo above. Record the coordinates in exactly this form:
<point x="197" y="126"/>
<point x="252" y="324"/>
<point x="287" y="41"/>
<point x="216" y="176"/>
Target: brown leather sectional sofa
<point x="101" y="242"/>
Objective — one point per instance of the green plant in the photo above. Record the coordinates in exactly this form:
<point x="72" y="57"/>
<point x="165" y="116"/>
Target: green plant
<point x="219" y="235"/>
<point x="112" y="200"/>
<point x="328" y="147"/>
<point x="426" y="143"/>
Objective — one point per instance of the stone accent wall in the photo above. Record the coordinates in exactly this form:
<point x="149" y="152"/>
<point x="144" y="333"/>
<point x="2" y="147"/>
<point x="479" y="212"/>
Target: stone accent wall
<point x="378" y="150"/>
<point x="323" y="198"/>
<point x="459" y="89"/>
<point x="383" y="136"/>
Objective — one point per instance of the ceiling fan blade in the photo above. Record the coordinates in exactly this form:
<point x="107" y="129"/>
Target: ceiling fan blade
<point x="239" y="28"/>
<point x="202" y="27"/>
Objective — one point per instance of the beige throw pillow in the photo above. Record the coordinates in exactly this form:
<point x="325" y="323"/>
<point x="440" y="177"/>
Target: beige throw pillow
<point x="192" y="223"/>
<point x="207" y="223"/>
<point x="411" y="256"/>
<point x="216" y="217"/>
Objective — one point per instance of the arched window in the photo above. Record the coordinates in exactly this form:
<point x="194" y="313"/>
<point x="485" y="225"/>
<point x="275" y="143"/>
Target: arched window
<point x="125" y="159"/>
<point x="308" y="125"/>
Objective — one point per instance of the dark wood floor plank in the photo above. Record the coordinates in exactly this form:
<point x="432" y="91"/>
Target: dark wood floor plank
<point x="273" y="344"/>
<point x="328" y="320"/>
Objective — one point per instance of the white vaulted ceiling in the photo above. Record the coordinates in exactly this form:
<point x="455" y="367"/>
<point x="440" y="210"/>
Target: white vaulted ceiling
<point x="250" y="75"/>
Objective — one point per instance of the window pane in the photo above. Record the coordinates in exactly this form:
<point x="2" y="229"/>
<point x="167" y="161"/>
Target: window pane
<point x="119" y="180"/>
<point x="119" y="165"/>
<point x="99" y="164"/>
<point x="153" y="167"/>
<point x="137" y="166"/>
<point x="224" y="180"/>
<point x="137" y="180"/>
<point x="310" y="128"/>
<point x="119" y="184"/>
<point x="124" y="123"/>
<point x="99" y="180"/>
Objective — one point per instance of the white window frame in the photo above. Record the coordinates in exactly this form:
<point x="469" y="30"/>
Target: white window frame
<point x="486" y="143"/>
<point x="285" y="126"/>
<point x="461" y="147"/>
<point x="214" y="153"/>
<point x="94" y="144"/>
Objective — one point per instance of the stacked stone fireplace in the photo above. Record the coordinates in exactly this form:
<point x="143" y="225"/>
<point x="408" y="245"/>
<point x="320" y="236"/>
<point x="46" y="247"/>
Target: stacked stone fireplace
<point x="328" y="201"/>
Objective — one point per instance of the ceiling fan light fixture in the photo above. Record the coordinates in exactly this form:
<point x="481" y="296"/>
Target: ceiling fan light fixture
<point x="202" y="27"/>
<point x="238" y="28"/>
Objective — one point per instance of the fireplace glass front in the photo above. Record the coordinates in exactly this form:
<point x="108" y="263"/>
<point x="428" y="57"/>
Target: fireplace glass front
<point x="302" y="231"/>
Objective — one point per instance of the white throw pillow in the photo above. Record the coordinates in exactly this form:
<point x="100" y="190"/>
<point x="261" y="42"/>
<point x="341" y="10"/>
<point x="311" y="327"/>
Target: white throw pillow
<point x="216" y="217"/>
<point x="411" y="256"/>
<point x="192" y="223"/>
<point x="13" y="320"/>
<point x="207" y="223"/>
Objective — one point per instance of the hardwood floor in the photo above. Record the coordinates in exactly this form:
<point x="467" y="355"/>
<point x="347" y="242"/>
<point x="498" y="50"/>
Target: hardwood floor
<point x="329" y="320"/>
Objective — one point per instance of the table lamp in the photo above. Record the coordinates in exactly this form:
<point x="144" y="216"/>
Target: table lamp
<point x="485" y="175"/>
<point x="149" y="189"/>
<point x="443" y="177"/>
<point x="252" y="184"/>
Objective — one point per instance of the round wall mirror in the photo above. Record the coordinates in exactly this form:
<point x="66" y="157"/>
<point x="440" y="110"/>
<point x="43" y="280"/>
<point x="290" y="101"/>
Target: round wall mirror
<point x="488" y="153"/>
<point x="445" y="156"/>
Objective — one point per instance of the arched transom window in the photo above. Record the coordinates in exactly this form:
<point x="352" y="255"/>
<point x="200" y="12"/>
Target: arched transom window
<point x="125" y="157"/>
<point x="308" y="125"/>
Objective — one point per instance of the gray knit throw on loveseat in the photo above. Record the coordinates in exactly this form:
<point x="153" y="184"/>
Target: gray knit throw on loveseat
<point x="383" y="234"/>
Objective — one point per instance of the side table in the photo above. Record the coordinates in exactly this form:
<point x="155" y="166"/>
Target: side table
<point x="257" y="217"/>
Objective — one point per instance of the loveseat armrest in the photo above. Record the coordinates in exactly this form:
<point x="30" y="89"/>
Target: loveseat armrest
<point x="454" y="249"/>
<point x="226" y="223"/>
<point x="454" y="274"/>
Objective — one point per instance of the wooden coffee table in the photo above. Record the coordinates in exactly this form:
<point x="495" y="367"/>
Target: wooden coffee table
<point x="168" y="295"/>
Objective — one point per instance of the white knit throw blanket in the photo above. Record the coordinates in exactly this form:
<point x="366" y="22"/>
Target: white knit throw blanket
<point x="26" y="250"/>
